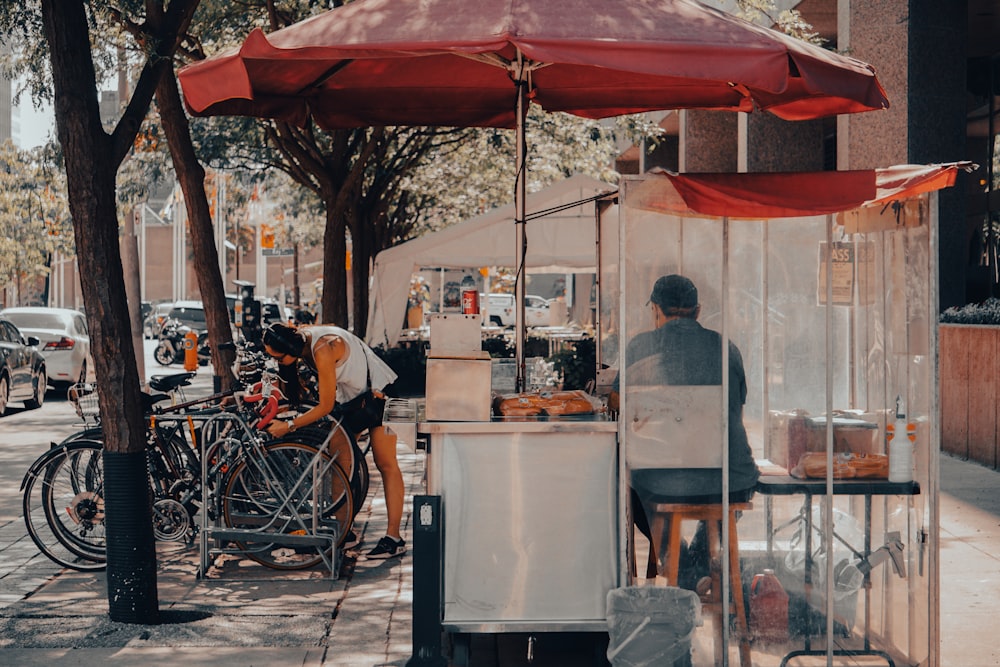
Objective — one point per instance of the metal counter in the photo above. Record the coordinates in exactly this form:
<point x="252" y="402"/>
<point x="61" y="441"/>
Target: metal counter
<point x="530" y="515"/>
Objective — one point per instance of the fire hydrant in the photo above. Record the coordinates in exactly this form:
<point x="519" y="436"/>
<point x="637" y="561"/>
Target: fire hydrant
<point x="191" y="351"/>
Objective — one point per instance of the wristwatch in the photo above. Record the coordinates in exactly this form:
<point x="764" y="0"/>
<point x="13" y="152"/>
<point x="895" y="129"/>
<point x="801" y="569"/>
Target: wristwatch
<point x="291" y="425"/>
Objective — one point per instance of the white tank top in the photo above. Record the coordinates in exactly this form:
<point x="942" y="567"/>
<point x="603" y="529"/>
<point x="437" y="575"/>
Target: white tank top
<point x="361" y="368"/>
<point x="352" y="372"/>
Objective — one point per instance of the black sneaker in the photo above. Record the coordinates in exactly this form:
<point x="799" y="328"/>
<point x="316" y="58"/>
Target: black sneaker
<point x="351" y="540"/>
<point x="387" y="547"/>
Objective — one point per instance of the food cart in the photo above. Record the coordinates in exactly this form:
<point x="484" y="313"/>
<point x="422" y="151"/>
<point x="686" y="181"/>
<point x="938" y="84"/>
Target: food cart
<point x="826" y="286"/>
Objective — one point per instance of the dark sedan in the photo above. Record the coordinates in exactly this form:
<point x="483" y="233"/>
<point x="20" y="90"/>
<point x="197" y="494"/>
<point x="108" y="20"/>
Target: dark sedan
<point x="22" y="373"/>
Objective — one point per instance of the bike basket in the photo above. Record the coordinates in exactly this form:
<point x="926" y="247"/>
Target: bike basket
<point x="83" y="396"/>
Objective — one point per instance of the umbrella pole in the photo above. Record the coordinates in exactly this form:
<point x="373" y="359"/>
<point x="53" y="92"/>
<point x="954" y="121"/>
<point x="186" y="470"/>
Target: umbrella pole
<point x="520" y="189"/>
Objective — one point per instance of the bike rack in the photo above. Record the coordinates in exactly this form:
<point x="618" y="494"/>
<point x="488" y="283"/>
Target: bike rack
<point x="323" y="534"/>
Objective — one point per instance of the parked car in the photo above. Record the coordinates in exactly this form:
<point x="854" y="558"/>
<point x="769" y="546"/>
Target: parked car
<point x="155" y="319"/>
<point x="22" y="368"/>
<point x="189" y="313"/>
<point x="271" y="312"/>
<point x="501" y="310"/>
<point x="64" y="341"/>
<point x="536" y="311"/>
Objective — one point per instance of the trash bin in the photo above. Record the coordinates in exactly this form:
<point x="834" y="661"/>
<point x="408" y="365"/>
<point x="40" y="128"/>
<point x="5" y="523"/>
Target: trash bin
<point x="651" y="626"/>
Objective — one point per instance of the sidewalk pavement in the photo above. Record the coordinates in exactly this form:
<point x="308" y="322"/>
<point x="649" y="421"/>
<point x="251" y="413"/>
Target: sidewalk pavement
<point x="245" y="615"/>
<point x="241" y="614"/>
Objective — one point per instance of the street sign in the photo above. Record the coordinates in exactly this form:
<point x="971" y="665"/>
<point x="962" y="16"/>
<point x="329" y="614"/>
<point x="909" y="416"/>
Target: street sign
<point x="277" y="252"/>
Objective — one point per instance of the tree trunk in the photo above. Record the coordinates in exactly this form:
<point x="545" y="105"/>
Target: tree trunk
<point x="90" y="178"/>
<point x="334" y="268"/>
<point x="360" y="269"/>
<point x="92" y="158"/>
<point x="191" y="177"/>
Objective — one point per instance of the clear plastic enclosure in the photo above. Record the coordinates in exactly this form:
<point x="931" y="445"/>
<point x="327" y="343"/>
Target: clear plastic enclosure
<point x="830" y="318"/>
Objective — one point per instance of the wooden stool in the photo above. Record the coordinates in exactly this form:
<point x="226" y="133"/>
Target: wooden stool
<point x="667" y="518"/>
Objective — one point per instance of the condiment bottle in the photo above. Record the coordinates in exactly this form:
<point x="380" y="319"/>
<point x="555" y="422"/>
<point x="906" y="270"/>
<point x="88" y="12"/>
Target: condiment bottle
<point x="900" y="447"/>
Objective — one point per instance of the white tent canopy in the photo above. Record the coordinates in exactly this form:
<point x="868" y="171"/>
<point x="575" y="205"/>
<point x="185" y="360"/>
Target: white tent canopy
<point x="563" y="241"/>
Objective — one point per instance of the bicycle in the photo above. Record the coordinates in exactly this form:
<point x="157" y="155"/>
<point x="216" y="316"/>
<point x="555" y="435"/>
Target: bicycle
<point x="63" y="490"/>
<point x="285" y="503"/>
<point x="65" y="485"/>
<point x="65" y="518"/>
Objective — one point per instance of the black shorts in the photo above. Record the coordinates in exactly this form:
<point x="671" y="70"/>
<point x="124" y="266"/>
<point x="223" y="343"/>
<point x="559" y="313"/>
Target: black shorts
<point x="361" y="413"/>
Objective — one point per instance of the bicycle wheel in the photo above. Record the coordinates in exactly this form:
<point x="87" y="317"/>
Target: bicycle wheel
<point x="271" y="492"/>
<point x="73" y="500"/>
<point x="345" y="450"/>
<point x="93" y="433"/>
<point x="63" y="502"/>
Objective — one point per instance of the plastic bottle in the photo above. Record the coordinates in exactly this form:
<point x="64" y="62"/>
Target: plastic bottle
<point x="768" y="608"/>
<point x="900" y="448"/>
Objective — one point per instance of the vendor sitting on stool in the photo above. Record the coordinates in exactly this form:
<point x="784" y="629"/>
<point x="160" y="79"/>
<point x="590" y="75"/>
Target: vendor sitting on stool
<point x="679" y="351"/>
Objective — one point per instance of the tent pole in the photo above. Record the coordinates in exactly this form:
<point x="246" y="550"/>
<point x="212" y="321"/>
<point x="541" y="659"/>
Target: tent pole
<point x="520" y="189"/>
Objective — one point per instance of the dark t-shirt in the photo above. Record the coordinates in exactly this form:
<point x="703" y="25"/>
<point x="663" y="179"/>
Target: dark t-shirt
<point x="682" y="352"/>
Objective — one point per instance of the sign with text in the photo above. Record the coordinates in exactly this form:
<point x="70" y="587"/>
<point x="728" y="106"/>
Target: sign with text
<point x="850" y="264"/>
<point x="277" y="252"/>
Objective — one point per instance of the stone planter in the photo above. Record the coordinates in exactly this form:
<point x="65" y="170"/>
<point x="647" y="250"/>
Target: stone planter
<point x="969" y="357"/>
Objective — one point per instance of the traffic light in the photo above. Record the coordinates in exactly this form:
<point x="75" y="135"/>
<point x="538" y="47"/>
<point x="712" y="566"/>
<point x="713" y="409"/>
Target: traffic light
<point x="266" y="236"/>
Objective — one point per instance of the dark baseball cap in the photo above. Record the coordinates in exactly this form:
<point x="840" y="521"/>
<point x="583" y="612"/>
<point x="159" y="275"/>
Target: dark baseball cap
<point x="674" y="292"/>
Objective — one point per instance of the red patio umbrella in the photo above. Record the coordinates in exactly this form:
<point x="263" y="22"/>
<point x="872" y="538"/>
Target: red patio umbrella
<point x="480" y="63"/>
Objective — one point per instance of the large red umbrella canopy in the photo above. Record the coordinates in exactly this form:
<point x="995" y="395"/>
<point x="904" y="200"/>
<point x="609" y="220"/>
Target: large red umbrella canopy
<point x="454" y="63"/>
<point x="480" y="62"/>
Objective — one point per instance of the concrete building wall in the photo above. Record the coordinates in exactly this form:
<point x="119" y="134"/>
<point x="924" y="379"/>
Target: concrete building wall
<point x="773" y="144"/>
<point x="709" y="141"/>
<point x="159" y="271"/>
<point x="877" y="32"/>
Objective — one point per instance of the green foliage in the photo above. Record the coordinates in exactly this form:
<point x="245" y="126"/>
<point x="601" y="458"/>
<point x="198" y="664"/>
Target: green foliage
<point x="789" y="21"/>
<point x="534" y="346"/>
<point x="456" y="182"/>
<point x="34" y="215"/>
<point x="501" y="347"/>
<point x="498" y="347"/>
<point x="578" y="364"/>
<point x="987" y="312"/>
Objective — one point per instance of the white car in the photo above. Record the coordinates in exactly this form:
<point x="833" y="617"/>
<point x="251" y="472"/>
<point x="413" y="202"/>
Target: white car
<point x="64" y="340"/>
<point x="501" y="310"/>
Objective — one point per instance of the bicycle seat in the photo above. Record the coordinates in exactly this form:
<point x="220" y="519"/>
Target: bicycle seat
<point x="169" y="383"/>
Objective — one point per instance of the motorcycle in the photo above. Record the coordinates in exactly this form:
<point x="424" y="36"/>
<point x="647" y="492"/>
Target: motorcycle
<point x="170" y="349"/>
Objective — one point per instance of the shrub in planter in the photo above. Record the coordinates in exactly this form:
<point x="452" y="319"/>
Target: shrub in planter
<point x="536" y="347"/>
<point x="987" y="312"/>
<point x="498" y="347"/>
<point x="577" y="365"/>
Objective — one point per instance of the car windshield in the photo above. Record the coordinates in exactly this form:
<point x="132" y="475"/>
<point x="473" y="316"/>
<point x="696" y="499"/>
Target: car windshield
<point x="188" y="314"/>
<point x="37" y="320"/>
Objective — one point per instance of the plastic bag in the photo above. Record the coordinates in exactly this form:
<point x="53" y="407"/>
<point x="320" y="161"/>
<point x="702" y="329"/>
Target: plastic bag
<point x="650" y="626"/>
<point x="847" y="578"/>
